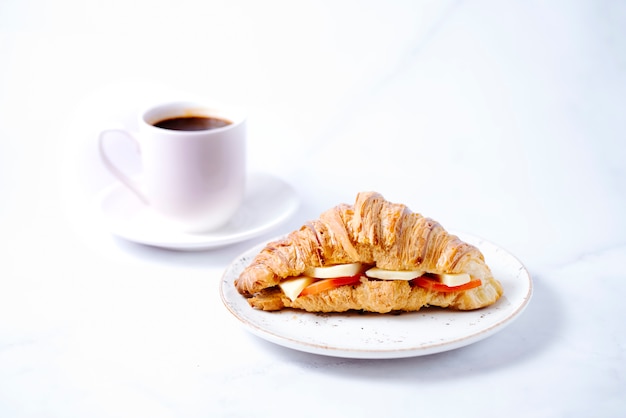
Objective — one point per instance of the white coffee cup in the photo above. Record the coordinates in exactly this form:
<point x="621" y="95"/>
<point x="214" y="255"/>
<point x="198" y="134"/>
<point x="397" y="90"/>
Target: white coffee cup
<point x="193" y="178"/>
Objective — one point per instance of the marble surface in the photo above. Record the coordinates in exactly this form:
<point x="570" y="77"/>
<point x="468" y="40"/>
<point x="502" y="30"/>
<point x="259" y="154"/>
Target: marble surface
<point x="501" y="119"/>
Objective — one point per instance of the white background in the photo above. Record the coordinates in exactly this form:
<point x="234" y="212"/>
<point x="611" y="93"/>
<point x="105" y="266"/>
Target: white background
<point x="502" y="119"/>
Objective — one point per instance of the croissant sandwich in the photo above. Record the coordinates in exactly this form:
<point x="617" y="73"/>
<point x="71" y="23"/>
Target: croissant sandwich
<point x="373" y="256"/>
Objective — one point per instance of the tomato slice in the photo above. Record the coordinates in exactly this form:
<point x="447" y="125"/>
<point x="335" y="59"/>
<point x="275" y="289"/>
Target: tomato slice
<point x="433" y="284"/>
<point x="326" y="284"/>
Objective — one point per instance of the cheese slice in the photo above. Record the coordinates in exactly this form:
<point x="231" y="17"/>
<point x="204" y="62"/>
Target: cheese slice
<point x="293" y="287"/>
<point x="452" y="280"/>
<point x="330" y="272"/>
<point x="378" y="273"/>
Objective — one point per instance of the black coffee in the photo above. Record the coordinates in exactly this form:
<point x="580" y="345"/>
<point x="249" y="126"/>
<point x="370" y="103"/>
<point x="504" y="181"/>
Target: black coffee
<point x="192" y="123"/>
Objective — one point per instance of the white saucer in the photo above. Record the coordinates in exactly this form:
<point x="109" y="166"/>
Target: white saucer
<point x="268" y="202"/>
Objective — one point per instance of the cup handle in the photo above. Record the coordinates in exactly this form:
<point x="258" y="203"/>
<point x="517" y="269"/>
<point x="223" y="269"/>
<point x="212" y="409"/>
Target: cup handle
<point x="126" y="180"/>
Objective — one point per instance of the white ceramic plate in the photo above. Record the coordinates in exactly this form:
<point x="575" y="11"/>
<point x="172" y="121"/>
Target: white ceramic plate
<point x="268" y="202"/>
<point x="375" y="336"/>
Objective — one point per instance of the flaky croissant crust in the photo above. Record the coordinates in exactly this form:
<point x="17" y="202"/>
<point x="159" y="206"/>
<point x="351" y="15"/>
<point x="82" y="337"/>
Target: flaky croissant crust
<point x="373" y="231"/>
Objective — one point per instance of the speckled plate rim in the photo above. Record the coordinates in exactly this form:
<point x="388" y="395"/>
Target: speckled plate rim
<point x="375" y="336"/>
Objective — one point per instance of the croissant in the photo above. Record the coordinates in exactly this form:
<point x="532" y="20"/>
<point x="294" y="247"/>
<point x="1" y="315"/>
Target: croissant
<point x="372" y="232"/>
